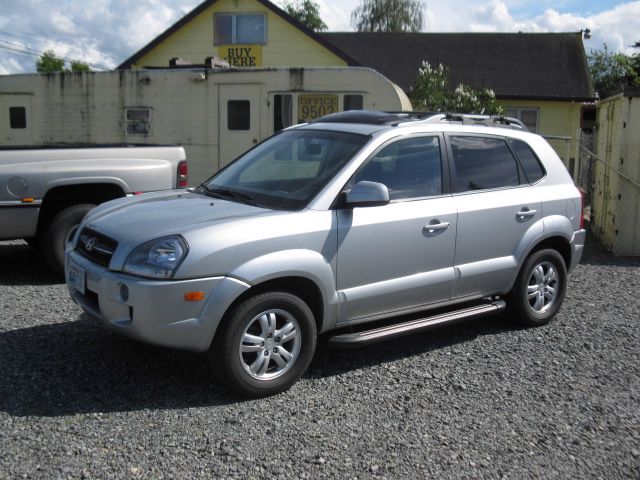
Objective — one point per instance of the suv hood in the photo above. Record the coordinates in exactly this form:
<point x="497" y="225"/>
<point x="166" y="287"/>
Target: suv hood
<point x="150" y="216"/>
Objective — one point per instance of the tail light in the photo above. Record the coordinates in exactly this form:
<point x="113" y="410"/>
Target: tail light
<point x="183" y="174"/>
<point x="583" y="194"/>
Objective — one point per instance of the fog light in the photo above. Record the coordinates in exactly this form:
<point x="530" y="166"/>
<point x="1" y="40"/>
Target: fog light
<point x="124" y="292"/>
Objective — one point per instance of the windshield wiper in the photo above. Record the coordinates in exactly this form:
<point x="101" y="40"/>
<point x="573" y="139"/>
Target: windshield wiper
<point x="227" y="193"/>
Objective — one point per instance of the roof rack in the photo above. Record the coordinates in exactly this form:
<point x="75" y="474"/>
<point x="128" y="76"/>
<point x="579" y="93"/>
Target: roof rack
<point x="371" y="117"/>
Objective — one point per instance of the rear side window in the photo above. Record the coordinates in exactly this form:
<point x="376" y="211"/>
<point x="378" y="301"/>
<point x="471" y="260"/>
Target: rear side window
<point x="529" y="161"/>
<point x="410" y="168"/>
<point x="482" y="162"/>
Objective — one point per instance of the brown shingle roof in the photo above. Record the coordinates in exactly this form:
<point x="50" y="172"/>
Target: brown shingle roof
<point x="544" y="66"/>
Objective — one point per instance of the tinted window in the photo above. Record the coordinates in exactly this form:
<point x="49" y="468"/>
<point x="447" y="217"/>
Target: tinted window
<point x="482" y="162"/>
<point x="17" y="117"/>
<point x="409" y="168"/>
<point x="239" y="114"/>
<point x="528" y="160"/>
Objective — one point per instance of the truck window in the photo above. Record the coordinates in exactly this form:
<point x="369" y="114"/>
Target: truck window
<point x="238" y="114"/>
<point x="17" y="117"/>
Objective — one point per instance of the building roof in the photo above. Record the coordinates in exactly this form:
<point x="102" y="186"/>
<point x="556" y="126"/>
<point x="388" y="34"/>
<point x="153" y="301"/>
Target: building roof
<point x="129" y="62"/>
<point x="536" y="66"/>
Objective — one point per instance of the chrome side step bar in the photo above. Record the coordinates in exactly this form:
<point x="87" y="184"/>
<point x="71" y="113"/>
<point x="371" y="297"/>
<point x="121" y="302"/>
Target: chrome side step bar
<point x="350" y="340"/>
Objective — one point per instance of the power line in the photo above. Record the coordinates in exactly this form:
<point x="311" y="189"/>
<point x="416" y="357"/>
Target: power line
<point x="45" y="43"/>
<point x="35" y="53"/>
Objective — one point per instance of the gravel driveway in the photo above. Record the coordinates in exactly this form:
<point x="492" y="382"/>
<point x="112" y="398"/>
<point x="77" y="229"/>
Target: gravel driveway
<point x="485" y="399"/>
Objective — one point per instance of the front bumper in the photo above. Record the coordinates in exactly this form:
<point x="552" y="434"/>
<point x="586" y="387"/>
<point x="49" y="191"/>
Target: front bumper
<point x="577" y="247"/>
<point x="154" y="311"/>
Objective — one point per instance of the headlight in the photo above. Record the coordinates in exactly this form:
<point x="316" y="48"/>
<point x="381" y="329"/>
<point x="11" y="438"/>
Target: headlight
<point x="158" y="258"/>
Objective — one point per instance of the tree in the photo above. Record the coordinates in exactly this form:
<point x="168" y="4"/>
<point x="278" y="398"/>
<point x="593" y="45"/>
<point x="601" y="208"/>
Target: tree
<point x="388" y="16"/>
<point x="79" y="67"/>
<point x="431" y="93"/>
<point x="49" y="62"/>
<point x="611" y="71"/>
<point x="307" y="13"/>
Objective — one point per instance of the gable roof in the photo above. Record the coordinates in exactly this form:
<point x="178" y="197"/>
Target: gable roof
<point x="536" y="66"/>
<point x="128" y="63"/>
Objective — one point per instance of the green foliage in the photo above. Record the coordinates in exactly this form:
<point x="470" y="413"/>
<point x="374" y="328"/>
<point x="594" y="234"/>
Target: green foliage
<point x="79" y="67"/>
<point x="431" y="93"/>
<point x="388" y="16"/>
<point x="307" y="13"/>
<point x="611" y="71"/>
<point x="49" y="62"/>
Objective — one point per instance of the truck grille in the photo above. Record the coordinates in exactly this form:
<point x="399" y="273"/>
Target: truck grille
<point x="96" y="247"/>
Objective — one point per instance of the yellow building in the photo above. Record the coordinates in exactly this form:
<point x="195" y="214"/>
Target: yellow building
<point x="246" y="33"/>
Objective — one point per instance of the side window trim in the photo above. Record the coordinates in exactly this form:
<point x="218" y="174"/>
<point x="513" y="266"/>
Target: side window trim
<point x="444" y="167"/>
<point x="522" y="179"/>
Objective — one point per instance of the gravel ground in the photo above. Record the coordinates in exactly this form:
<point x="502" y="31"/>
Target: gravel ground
<point x="485" y="399"/>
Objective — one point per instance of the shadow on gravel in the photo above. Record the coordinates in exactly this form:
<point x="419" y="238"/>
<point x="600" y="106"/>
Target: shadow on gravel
<point x="23" y="265"/>
<point x="596" y="254"/>
<point x="329" y="361"/>
<point x="80" y="367"/>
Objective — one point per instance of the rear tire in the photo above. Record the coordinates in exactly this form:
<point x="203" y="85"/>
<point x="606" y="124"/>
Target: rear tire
<point x="58" y="233"/>
<point x="264" y="344"/>
<point x="539" y="290"/>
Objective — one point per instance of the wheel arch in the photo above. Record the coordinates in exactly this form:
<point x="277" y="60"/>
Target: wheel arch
<point x="61" y="197"/>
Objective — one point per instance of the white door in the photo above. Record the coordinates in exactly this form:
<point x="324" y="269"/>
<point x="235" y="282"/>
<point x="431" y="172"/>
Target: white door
<point x="238" y="120"/>
<point x="15" y="119"/>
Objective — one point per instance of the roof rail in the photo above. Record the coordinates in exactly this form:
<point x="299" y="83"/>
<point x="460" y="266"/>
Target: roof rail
<point x="371" y="117"/>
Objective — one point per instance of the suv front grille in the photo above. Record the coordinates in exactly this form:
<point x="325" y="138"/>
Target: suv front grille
<point x="96" y="247"/>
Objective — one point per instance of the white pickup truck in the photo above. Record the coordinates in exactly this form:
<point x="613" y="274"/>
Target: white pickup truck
<point x="45" y="192"/>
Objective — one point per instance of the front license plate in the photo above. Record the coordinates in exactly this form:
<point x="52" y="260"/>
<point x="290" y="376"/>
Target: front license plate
<point x="76" y="277"/>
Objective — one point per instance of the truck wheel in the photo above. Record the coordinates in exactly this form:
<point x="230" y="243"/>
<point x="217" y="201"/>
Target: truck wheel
<point x="264" y="344"/>
<point x="539" y="289"/>
<point x="58" y="233"/>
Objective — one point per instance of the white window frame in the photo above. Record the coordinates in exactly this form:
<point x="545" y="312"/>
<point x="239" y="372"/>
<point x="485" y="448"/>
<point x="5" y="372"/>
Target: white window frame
<point x="234" y="36"/>
<point x="518" y="115"/>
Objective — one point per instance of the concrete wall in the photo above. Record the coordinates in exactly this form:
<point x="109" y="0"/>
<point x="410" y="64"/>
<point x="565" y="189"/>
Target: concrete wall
<point x="89" y="108"/>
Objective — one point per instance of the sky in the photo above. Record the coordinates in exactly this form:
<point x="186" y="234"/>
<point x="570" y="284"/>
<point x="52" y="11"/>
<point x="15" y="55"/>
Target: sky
<point x="103" y="33"/>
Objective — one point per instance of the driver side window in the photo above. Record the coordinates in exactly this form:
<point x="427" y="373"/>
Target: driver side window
<point x="410" y="168"/>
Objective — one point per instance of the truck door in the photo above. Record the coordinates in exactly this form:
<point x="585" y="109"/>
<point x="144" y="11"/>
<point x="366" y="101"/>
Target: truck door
<point x="238" y="120"/>
<point x="15" y="119"/>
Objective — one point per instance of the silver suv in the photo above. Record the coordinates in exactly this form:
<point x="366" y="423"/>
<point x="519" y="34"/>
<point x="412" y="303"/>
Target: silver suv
<point x="362" y="226"/>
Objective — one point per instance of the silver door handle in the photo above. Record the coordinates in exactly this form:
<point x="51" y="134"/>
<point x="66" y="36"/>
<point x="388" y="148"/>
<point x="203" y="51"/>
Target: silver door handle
<point x="524" y="214"/>
<point x="436" y="227"/>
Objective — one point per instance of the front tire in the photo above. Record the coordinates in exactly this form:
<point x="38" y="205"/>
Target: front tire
<point x="264" y="344"/>
<point x="539" y="289"/>
<point x="58" y="232"/>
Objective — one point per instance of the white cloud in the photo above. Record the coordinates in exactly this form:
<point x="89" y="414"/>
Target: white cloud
<point x="106" y="32"/>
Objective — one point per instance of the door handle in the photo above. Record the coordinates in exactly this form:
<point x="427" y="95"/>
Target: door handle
<point x="525" y="214"/>
<point x="435" y="227"/>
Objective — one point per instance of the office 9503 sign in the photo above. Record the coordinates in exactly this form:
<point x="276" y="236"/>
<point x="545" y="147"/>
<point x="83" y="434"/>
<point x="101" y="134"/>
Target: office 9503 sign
<point x="316" y="105"/>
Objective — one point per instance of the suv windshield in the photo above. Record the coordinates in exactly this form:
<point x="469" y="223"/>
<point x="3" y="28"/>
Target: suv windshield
<point x="287" y="170"/>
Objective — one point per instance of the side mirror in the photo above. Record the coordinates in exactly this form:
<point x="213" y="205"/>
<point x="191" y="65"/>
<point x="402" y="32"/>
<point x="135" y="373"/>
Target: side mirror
<point x="366" y="194"/>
